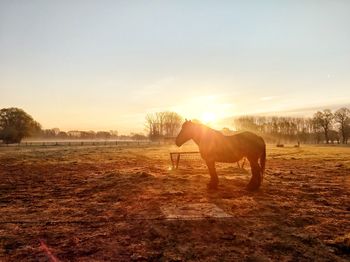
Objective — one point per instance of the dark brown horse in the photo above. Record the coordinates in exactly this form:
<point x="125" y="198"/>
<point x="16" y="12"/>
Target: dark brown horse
<point x="216" y="147"/>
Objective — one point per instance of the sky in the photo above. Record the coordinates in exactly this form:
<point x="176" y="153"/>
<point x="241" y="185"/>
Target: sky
<point x="103" y="65"/>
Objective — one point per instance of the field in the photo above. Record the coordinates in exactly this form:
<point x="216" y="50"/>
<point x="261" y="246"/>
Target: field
<point x="110" y="203"/>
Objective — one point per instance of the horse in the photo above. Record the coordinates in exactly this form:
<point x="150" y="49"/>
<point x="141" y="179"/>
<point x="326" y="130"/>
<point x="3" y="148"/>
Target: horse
<point x="216" y="147"/>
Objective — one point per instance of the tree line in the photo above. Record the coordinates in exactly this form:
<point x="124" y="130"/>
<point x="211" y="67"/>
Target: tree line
<point x="16" y="124"/>
<point x="324" y="127"/>
<point x="55" y="133"/>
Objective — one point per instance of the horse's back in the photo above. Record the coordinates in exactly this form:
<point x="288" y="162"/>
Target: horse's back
<point x="248" y="142"/>
<point x="248" y="137"/>
<point x="218" y="147"/>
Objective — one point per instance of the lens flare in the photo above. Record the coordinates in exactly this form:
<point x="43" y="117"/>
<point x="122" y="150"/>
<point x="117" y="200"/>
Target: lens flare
<point x="208" y="117"/>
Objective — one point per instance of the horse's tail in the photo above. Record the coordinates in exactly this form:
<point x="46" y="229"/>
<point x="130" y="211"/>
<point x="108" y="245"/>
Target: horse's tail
<point x="263" y="161"/>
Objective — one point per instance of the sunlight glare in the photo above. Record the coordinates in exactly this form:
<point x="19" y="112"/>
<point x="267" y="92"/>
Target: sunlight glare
<point x="208" y="117"/>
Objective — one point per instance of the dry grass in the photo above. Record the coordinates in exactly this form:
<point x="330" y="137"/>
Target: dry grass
<point x="105" y="203"/>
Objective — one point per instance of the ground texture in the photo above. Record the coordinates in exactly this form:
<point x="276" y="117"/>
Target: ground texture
<point x="126" y="204"/>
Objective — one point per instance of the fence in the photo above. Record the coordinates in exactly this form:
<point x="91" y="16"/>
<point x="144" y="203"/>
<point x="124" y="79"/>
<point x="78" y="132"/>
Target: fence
<point x="81" y="143"/>
<point x="192" y="156"/>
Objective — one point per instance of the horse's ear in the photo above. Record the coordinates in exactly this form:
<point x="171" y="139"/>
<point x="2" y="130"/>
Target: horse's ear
<point x="186" y="120"/>
<point x="190" y="121"/>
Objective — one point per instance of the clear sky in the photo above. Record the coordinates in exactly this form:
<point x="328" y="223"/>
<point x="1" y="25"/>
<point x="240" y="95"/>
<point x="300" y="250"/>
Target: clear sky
<point x="96" y="65"/>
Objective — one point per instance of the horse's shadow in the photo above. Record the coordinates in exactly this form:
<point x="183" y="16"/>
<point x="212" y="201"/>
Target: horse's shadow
<point x="232" y="192"/>
<point x="229" y="189"/>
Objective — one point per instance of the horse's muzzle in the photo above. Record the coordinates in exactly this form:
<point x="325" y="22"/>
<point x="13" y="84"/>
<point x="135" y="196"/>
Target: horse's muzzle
<point x="178" y="142"/>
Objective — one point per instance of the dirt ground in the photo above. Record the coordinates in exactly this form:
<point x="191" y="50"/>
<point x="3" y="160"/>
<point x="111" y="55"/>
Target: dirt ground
<point x="126" y="204"/>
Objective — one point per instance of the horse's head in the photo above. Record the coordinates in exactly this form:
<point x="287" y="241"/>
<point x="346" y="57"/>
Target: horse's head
<point x="185" y="134"/>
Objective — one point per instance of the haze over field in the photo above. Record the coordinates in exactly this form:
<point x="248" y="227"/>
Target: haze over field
<point x="104" y="64"/>
<point x="174" y="130"/>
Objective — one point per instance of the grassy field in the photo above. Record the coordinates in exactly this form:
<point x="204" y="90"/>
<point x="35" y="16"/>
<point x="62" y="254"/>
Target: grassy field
<point x="127" y="204"/>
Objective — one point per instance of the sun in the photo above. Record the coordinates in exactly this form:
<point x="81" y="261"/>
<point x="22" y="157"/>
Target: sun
<point x="208" y="117"/>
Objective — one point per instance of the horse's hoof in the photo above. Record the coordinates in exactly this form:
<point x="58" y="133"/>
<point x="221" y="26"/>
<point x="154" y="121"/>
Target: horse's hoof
<point x="211" y="186"/>
<point x="252" y="187"/>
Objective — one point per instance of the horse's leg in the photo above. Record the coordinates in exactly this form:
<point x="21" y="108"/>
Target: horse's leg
<point x="213" y="184"/>
<point x="255" y="181"/>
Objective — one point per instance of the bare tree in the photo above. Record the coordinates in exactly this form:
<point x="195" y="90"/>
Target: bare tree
<point x="324" y="120"/>
<point x="172" y="123"/>
<point x="151" y="125"/>
<point x="342" y="117"/>
<point x="162" y="124"/>
<point x="160" y="118"/>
